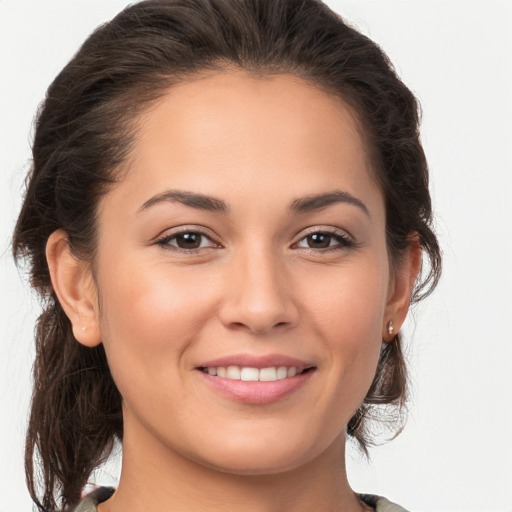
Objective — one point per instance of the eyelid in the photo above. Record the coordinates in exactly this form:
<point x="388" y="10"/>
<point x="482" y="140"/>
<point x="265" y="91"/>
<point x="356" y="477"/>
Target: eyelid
<point x="328" y="230"/>
<point x="333" y="230"/>
<point x="167" y="235"/>
<point x="163" y="239"/>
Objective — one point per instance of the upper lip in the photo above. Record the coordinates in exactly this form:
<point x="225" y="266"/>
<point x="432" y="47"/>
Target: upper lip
<point x="253" y="361"/>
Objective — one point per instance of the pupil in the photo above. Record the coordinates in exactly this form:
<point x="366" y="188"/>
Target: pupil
<point x="188" y="240"/>
<point x="319" y="240"/>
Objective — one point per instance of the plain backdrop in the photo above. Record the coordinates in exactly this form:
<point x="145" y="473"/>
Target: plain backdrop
<point x="455" y="453"/>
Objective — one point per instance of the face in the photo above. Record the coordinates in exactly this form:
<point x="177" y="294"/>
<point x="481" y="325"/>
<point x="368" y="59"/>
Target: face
<point x="242" y="273"/>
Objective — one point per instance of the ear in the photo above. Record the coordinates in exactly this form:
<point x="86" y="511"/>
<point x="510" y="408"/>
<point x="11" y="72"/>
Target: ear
<point x="75" y="288"/>
<point x="401" y="285"/>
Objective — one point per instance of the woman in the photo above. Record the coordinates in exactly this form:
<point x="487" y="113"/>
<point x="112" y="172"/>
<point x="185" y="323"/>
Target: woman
<point x="226" y="215"/>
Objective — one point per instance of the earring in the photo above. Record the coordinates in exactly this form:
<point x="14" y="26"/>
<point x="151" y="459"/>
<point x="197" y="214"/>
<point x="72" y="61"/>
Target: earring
<point x="390" y="327"/>
<point x="83" y="328"/>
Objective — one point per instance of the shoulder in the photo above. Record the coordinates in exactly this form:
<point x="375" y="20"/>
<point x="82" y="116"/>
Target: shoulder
<point x="381" y="504"/>
<point x="89" y="502"/>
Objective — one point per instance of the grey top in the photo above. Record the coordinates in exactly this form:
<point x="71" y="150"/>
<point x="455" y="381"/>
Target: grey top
<point x="89" y="502"/>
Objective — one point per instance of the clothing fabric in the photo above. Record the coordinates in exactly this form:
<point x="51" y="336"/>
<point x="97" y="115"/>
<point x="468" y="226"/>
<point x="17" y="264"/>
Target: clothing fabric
<point x="89" y="503"/>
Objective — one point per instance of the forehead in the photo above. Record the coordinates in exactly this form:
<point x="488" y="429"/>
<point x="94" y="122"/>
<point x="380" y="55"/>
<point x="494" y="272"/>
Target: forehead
<point x="230" y="133"/>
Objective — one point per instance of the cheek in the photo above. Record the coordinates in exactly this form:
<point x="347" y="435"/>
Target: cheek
<point x="348" y="304"/>
<point x="348" y="317"/>
<point x="149" y="318"/>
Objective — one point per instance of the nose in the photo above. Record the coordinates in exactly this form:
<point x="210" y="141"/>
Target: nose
<point x="258" y="295"/>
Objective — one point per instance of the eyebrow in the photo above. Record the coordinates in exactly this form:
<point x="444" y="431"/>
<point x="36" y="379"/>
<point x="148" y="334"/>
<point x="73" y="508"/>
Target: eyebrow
<point x="320" y="201"/>
<point x="199" y="201"/>
<point x="212" y="204"/>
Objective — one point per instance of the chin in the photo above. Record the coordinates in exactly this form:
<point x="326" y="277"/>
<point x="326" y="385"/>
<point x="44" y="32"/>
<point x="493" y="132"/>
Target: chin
<point x="259" y="467"/>
<point x="256" y="459"/>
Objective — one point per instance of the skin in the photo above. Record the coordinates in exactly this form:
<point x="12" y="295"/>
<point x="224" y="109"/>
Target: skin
<point x="257" y="285"/>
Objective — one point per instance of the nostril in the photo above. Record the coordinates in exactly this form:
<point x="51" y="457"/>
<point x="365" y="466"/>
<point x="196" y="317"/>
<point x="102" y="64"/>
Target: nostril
<point x="258" y="313"/>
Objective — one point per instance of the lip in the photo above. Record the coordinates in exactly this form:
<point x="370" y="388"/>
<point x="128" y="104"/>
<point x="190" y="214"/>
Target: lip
<point x="256" y="392"/>
<point x="252" y="361"/>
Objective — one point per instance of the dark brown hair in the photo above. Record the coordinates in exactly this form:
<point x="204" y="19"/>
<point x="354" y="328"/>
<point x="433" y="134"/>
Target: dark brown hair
<point x="83" y="135"/>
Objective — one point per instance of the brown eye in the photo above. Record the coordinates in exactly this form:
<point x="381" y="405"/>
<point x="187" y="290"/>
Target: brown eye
<point x="326" y="241"/>
<point x="188" y="240"/>
<point x="319" y="240"/>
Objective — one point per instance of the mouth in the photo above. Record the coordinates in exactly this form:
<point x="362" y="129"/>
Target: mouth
<point x="256" y="380"/>
<point x="250" y="374"/>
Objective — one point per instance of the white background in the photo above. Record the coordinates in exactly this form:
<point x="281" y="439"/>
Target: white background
<point x="455" y="453"/>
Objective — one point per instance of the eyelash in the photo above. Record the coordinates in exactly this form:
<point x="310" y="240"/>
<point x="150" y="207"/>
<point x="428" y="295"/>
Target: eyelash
<point x="343" y="241"/>
<point x="166" y="239"/>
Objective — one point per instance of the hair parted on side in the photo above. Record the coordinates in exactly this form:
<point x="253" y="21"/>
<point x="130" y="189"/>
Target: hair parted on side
<point x="84" y="131"/>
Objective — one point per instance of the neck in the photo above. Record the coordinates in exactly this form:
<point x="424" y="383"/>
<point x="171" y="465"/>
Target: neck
<point x="157" y="478"/>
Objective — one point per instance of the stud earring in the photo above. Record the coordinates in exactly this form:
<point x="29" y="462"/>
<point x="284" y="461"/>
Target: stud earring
<point x="390" y="327"/>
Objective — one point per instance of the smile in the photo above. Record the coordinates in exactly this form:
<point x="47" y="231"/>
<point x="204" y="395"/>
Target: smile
<point x="249" y="374"/>
<point x="256" y="380"/>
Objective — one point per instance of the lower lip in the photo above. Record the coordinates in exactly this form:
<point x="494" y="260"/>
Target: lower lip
<point x="256" y="392"/>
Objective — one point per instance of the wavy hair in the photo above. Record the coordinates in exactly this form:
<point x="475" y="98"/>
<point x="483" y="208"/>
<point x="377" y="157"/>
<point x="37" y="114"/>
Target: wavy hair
<point x="84" y="132"/>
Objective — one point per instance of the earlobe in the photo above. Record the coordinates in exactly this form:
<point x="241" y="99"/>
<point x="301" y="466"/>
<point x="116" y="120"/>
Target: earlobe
<point x="401" y="288"/>
<point x="74" y="286"/>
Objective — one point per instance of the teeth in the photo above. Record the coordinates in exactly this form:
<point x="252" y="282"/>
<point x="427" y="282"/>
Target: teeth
<point x="233" y="372"/>
<point x="268" y="374"/>
<point x="249" y="374"/>
<point x="282" y="372"/>
<point x="292" y="372"/>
